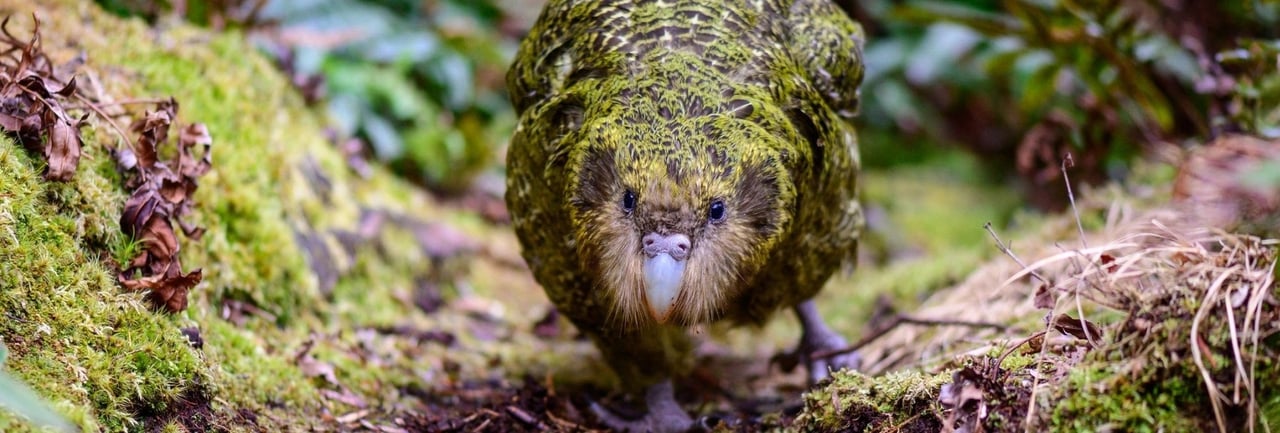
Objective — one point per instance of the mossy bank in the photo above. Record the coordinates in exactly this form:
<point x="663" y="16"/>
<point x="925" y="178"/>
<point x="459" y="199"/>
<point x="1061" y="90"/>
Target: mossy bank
<point x="291" y="309"/>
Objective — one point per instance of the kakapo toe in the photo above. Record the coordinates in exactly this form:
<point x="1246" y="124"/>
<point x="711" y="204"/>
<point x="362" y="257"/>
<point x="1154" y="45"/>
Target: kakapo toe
<point x="664" y="416"/>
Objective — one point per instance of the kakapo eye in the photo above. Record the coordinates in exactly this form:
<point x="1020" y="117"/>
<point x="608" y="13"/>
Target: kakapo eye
<point x="629" y="201"/>
<point x="716" y="212"/>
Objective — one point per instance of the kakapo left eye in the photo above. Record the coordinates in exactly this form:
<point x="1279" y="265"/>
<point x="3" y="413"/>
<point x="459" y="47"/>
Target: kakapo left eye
<point x="629" y="201"/>
<point x="716" y="212"/>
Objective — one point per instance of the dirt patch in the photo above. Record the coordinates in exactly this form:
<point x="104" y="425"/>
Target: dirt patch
<point x="494" y="406"/>
<point x="191" y="410"/>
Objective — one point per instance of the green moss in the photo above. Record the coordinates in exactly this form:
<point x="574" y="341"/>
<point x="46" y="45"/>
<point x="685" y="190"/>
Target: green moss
<point x="1096" y="396"/>
<point x="102" y="356"/>
<point x="898" y="401"/>
<point x="109" y="363"/>
<point x="71" y="334"/>
<point x="1017" y="362"/>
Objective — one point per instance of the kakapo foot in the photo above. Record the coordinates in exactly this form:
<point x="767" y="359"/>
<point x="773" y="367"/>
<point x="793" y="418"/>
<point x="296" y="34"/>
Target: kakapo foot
<point x="664" y="416"/>
<point x="817" y="337"/>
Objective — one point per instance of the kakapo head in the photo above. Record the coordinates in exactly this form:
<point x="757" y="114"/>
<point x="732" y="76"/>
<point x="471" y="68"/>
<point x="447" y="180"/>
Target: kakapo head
<point x="677" y="197"/>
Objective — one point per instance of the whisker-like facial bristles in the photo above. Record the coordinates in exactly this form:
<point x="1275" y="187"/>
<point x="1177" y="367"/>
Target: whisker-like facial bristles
<point x="714" y="273"/>
<point x="613" y="250"/>
<point x="622" y="270"/>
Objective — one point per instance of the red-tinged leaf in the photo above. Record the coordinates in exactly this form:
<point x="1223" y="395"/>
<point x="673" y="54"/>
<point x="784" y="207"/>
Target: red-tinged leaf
<point x="172" y="292"/>
<point x="1108" y="263"/>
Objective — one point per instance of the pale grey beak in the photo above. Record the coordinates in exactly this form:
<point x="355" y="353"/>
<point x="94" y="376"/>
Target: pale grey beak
<point x="663" y="271"/>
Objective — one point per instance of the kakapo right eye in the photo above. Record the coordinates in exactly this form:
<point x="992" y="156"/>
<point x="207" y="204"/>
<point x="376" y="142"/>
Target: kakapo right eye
<point x="629" y="201"/>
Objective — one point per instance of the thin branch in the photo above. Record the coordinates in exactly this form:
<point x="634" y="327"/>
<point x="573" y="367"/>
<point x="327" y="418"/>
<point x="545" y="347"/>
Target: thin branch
<point x="897" y="320"/>
<point x="1009" y="252"/>
<point x="110" y="121"/>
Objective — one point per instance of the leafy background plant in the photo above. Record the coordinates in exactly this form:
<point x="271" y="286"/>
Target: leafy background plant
<point x="1012" y="84"/>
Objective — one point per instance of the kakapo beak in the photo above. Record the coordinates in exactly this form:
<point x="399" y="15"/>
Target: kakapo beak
<point x="662" y="275"/>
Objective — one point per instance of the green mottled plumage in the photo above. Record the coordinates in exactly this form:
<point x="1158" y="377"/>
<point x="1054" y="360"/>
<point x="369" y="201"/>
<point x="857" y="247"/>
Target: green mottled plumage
<point x="684" y="102"/>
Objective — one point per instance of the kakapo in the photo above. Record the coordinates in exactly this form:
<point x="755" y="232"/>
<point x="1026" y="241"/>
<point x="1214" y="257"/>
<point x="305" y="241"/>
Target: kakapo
<point x="678" y="162"/>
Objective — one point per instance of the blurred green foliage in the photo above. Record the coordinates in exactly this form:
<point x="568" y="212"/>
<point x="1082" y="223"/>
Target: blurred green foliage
<point x="1018" y="83"/>
<point x="420" y="81"/>
<point x="1253" y="86"/>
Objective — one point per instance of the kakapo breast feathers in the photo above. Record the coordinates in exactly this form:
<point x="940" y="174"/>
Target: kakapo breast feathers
<point x="791" y="67"/>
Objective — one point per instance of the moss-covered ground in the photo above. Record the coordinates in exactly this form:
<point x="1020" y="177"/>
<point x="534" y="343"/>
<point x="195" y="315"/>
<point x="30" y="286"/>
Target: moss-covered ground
<point x="279" y="194"/>
<point x="335" y="302"/>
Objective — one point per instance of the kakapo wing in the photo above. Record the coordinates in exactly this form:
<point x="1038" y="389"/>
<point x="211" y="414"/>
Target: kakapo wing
<point x="536" y="179"/>
<point x="828" y="46"/>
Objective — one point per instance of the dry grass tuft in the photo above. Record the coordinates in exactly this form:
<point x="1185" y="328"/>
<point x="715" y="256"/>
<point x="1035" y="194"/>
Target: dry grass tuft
<point x="1152" y="297"/>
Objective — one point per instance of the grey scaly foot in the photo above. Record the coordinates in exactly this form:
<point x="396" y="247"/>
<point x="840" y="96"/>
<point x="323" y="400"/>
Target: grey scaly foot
<point x="664" y="416"/>
<point x="817" y="337"/>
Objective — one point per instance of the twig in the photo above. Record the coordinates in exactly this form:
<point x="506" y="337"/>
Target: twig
<point x="1009" y="252"/>
<point x="1010" y="350"/>
<point x="865" y="340"/>
<point x="96" y="109"/>
<point x="945" y="322"/>
<point x="525" y="417"/>
<point x="900" y="319"/>
<point x="1068" y="162"/>
<point x="134" y="102"/>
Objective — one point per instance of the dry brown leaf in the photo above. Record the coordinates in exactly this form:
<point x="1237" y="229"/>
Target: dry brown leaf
<point x="1044" y="298"/>
<point x="190" y="169"/>
<point x="62" y="151"/>
<point x="161" y="196"/>
<point x="441" y="240"/>
<point x="172" y="291"/>
<point x="173" y="191"/>
<point x="165" y="291"/>
<point x="311" y="367"/>
<point x="345" y="396"/>
<point x="139" y="210"/>
<point x="1082" y="329"/>
<point x="192" y="231"/>
<point x="30" y="112"/>
<point x="158" y="239"/>
<point x="153" y="131"/>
